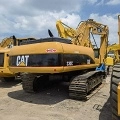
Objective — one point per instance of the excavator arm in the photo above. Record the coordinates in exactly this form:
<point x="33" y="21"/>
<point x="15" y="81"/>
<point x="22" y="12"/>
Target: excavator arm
<point x="85" y="28"/>
<point x="64" y="30"/>
<point x="81" y="35"/>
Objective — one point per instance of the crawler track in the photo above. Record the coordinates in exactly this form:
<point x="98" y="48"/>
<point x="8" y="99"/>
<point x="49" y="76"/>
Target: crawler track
<point x="33" y="83"/>
<point x="27" y="82"/>
<point x="79" y="88"/>
<point x="82" y="85"/>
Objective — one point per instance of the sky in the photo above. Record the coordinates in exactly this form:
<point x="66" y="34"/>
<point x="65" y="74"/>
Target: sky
<point x="33" y="18"/>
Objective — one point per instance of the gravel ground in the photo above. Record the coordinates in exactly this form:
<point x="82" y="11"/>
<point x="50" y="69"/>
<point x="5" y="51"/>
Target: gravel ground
<point x="52" y="104"/>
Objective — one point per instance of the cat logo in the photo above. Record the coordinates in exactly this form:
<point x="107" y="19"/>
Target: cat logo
<point x="22" y="60"/>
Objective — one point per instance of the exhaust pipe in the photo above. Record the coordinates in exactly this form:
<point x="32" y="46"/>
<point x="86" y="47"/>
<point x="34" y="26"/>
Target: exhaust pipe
<point x="14" y="41"/>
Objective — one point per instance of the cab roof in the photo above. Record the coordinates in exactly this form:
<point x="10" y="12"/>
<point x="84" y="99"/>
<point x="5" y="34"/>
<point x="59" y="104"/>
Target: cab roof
<point x="49" y="39"/>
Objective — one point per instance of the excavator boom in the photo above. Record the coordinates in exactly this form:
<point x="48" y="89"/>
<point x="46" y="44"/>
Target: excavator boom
<point x="81" y="35"/>
<point x="64" y="30"/>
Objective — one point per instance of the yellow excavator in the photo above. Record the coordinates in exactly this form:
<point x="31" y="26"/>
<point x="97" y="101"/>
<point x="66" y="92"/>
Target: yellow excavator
<point x="5" y="46"/>
<point x="115" y="85"/>
<point x="42" y="60"/>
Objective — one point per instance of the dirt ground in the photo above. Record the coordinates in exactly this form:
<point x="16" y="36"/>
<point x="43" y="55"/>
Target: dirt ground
<point x="52" y="103"/>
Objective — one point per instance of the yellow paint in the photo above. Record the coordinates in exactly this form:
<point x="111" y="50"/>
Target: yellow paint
<point x="5" y="71"/>
<point x="22" y="64"/>
<point x="118" y="91"/>
<point x="40" y="48"/>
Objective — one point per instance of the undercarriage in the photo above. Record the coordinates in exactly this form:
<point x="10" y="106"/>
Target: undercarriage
<point x="79" y="85"/>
